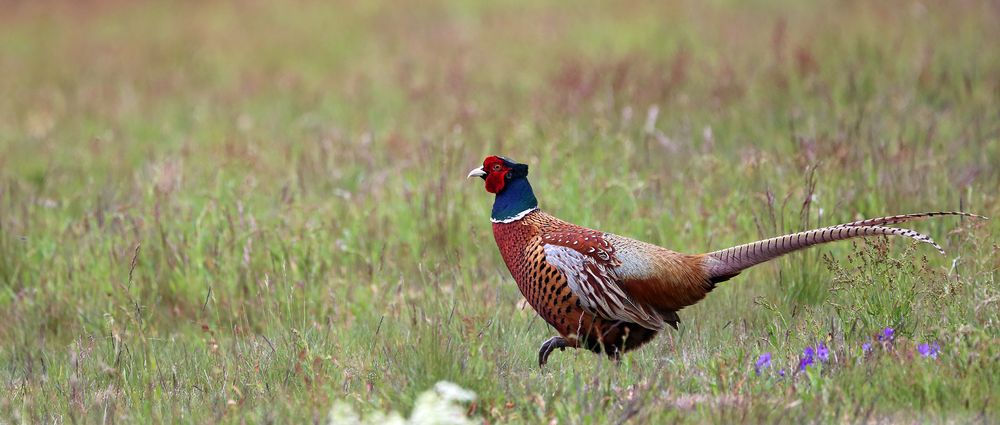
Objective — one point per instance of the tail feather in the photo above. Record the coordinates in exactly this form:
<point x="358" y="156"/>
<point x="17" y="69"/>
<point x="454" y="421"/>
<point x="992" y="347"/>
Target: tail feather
<point x="724" y="264"/>
<point x="903" y="218"/>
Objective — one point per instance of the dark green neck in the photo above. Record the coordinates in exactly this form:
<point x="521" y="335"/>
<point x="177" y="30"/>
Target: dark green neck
<point x="515" y="199"/>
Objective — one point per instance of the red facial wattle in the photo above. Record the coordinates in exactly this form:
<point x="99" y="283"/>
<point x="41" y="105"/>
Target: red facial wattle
<point x="495" y="180"/>
<point x="496" y="174"/>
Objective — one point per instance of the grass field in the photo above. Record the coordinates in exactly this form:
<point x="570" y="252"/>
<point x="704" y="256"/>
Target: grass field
<point x="250" y="211"/>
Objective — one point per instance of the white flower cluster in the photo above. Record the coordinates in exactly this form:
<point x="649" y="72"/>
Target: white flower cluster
<point x="441" y="406"/>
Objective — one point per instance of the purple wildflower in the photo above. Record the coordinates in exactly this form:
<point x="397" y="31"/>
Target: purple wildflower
<point x="866" y="348"/>
<point x="807" y="358"/>
<point x="931" y="350"/>
<point x="823" y="353"/>
<point x="781" y="373"/>
<point x="805" y="362"/>
<point x="887" y="335"/>
<point x="763" y="362"/>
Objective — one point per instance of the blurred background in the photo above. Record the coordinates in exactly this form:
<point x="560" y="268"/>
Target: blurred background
<point x="221" y="211"/>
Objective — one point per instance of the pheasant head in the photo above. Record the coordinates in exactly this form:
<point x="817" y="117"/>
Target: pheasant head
<point x="509" y="181"/>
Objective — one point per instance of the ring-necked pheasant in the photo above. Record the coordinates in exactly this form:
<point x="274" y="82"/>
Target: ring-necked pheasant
<point x="613" y="294"/>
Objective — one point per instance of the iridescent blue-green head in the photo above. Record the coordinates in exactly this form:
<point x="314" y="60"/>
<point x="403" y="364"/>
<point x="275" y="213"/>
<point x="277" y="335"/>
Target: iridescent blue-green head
<point x="509" y="181"/>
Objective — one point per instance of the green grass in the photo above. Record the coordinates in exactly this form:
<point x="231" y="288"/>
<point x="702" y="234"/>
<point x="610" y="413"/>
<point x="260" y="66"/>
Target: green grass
<point x="248" y="211"/>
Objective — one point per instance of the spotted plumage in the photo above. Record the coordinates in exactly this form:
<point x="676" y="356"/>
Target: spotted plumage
<point x="612" y="294"/>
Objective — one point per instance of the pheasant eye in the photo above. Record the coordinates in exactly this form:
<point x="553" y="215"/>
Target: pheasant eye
<point x="496" y="167"/>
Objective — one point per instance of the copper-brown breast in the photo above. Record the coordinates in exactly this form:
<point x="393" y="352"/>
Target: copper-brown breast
<point x="540" y="283"/>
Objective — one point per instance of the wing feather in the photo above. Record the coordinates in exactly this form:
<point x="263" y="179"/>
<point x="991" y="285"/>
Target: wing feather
<point x="592" y="275"/>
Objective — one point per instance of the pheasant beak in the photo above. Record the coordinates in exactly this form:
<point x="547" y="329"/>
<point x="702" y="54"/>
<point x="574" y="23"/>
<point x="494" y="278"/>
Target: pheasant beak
<point x="476" y="172"/>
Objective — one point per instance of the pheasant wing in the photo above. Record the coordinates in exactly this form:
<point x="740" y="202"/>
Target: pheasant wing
<point x="588" y="261"/>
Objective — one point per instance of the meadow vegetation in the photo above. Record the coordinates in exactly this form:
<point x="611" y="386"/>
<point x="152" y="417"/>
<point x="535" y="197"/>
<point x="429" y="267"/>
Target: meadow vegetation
<point x="253" y="211"/>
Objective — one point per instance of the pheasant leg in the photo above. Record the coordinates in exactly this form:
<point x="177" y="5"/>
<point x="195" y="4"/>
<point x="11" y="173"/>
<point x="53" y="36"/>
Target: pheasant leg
<point x="549" y="346"/>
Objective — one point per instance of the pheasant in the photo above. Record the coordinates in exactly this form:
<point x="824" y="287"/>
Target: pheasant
<point x="611" y="294"/>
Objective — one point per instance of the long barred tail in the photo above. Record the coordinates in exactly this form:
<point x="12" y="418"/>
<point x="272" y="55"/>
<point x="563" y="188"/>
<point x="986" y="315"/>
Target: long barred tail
<point x="724" y="264"/>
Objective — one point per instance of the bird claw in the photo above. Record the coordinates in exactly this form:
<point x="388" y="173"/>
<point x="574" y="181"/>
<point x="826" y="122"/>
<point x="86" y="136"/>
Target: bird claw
<point x="549" y="346"/>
